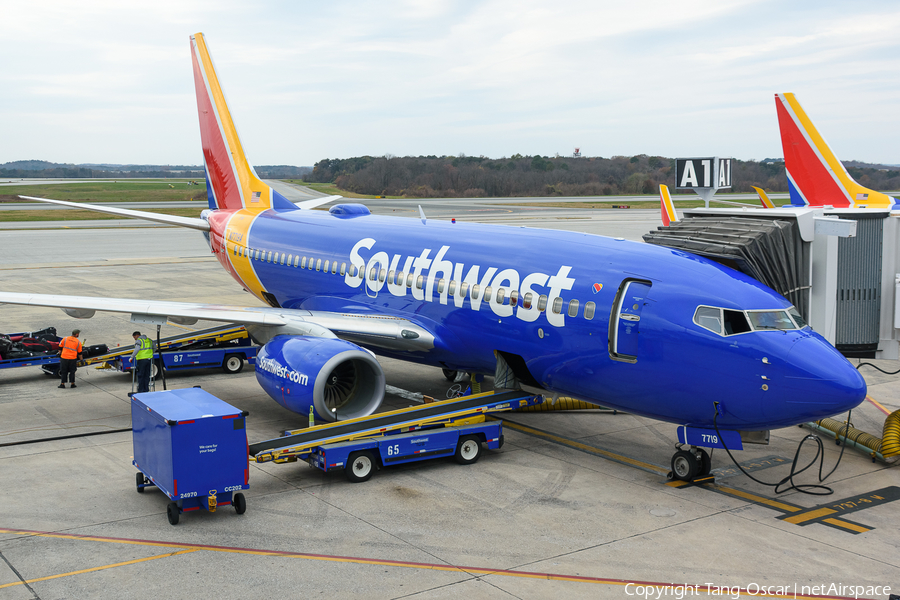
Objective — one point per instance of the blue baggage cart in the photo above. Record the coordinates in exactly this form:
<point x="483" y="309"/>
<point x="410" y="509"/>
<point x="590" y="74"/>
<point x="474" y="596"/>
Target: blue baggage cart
<point x="193" y="447"/>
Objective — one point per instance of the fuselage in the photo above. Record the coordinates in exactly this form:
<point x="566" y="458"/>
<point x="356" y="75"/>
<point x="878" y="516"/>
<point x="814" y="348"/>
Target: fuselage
<point x="606" y="320"/>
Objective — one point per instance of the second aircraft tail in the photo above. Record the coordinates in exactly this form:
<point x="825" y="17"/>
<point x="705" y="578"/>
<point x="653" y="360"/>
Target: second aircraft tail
<point x="815" y="176"/>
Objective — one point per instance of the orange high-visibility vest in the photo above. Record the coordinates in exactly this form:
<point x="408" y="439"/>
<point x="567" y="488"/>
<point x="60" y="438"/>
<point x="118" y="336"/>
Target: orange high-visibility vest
<point x="71" y="347"/>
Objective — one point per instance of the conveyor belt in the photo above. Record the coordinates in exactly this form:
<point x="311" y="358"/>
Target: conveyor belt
<point x="344" y="429"/>
<point x="166" y="342"/>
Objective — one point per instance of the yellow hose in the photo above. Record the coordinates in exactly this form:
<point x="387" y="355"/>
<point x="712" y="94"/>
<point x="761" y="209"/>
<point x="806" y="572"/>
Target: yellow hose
<point x="890" y="437"/>
<point x="887" y="448"/>
<point x="562" y="403"/>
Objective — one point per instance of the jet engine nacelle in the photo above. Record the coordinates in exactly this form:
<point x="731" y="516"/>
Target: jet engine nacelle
<point x="337" y="378"/>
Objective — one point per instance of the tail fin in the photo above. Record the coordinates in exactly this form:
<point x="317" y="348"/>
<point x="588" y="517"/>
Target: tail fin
<point x="763" y="197"/>
<point x="815" y="176"/>
<point x="667" y="207"/>
<point x="231" y="182"/>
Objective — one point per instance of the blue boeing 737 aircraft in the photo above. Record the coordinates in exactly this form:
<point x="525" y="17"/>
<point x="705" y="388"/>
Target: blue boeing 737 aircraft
<point x="644" y="329"/>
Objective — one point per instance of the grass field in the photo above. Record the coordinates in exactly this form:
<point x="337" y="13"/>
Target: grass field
<point x="169" y="190"/>
<point x="130" y="190"/>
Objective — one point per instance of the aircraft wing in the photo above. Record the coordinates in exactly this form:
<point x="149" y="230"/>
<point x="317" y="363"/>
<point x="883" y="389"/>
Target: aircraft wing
<point x="190" y="222"/>
<point x="384" y="331"/>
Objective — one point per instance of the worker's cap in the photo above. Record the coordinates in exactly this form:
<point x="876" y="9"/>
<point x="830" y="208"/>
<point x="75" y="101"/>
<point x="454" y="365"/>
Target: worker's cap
<point x="136" y="333"/>
<point x="76" y="331"/>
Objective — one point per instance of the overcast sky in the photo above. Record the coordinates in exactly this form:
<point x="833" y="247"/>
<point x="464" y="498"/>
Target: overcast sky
<point x="111" y="81"/>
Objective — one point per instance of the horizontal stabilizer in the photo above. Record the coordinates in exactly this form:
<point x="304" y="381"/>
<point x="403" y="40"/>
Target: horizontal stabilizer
<point x="193" y="223"/>
<point x="307" y="204"/>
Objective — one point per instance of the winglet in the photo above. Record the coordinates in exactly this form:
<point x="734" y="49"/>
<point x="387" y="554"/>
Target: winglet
<point x="667" y="207"/>
<point x="763" y="197"/>
<point x="815" y="176"/>
<point x="231" y="182"/>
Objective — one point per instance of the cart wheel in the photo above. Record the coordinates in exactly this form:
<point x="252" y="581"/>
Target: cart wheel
<point x="173" y="512"/>
<point x="139" y="482"/>
<point x="233" y="363"/>
<point x="360" y="466"/>
<point x="240" y="503"/>
<point x="468" y="450"/>
<point x="449" y="374"/>
<point x="155" y="368"/>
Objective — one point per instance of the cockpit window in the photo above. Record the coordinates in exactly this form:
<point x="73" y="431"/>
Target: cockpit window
<point x="770" y="319"/>
<point x="798" y="318"/>
<point x="732" y="322"/>
<point x="709" y="318"/>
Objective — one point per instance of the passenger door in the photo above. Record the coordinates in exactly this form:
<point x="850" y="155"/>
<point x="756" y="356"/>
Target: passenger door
<point x="625" y="320"/>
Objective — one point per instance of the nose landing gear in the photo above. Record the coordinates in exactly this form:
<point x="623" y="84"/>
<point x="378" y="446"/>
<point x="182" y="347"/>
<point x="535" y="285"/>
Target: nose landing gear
<point x="688" y="465"/>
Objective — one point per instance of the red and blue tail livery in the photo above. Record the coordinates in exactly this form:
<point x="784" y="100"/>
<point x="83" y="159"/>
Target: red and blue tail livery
<point x="815" y="176"/>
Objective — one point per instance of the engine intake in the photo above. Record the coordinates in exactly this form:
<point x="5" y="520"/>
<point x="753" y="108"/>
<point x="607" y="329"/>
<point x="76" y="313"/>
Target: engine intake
<point x="337" y="378"/>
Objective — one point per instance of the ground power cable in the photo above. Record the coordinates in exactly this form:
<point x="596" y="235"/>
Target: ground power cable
<point x="804" y="488"/>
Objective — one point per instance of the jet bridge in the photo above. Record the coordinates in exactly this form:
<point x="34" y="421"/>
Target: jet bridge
<point x="839" y="267"/>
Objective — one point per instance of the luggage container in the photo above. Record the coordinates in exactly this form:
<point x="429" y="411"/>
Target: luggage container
<point x="193" y="447"/>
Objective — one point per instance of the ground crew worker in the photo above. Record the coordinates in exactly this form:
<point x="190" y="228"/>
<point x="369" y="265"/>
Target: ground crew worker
<point x="70" y="351"/>
<point x="141" y="357"/>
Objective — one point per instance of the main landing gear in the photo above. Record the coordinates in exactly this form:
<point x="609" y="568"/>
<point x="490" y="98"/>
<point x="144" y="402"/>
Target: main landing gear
<point x="688" y="465"/>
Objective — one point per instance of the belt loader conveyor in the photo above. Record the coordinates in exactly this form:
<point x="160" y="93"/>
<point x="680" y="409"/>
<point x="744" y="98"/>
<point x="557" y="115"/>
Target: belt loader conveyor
<point x="405" y="435"/>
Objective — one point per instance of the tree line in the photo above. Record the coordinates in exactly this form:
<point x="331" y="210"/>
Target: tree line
<point x="480" y="177"/>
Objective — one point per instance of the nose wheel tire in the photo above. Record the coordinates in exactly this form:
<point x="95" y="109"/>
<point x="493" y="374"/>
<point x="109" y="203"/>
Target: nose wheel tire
<point x="449" y="374"/>
<point x="705" y="463"/>
<point x="685" y="465"/>
<point x="360" y="466"/>
<point x="468" y="450"/>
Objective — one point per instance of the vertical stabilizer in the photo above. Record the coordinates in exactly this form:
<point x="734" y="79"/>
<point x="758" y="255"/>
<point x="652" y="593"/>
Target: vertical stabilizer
<point x="815" y="176"/>
<point x="667" y="207"/>
<point x="763" y="197"/>
<point x="231" y="182"/>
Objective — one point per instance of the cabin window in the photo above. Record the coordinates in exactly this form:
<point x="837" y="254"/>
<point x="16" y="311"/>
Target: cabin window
<point x="463" y="289"/>
<point x="589" y="309"/>
<point x="282" y="258"/>
<point x="296" y="260"/>
<point x="420" y="281"/>
<point x="542" y="302"/>
<point x="514" y="298"/>
<point x="334" y="267"/>
<point x="392" y="277"/>
<point x="381" y="275"/>
<point x="452" y="290"/>
<point x="326" y="266"/>
<point x="476" y="290"/>
<point x="527" y="300"/>
<point x="501" y="295"/>
<point x="269" y="256"/>
<point x="488" y="293"/>
<point x="355" y="271"/>
<point x="303" y="263"/>
<point x="557" y="305"/>
<point x="290" y="259"/>
<point x="343" y="269"/>
<point x="573" y="308"/>
<point x="409" y="280"/>
<point x="441" y="285"/>
<point x="373" y="273"/>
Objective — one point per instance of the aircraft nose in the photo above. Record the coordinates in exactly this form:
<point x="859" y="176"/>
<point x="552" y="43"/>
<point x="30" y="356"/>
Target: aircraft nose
<point x="820" y="382"/>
